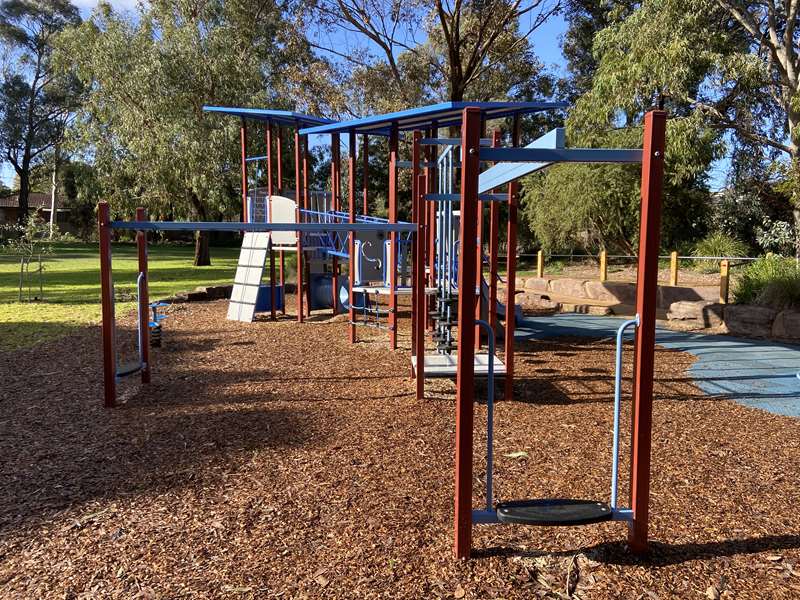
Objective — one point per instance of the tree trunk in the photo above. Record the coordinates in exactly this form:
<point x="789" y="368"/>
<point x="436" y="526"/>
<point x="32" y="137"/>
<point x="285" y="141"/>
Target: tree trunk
<point x="202" y="249"/>
<point x="796" y="213"/>
<point x="24" y="194"/>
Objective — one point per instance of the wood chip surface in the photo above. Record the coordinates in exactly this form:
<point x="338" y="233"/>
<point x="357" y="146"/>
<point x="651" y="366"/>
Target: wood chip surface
<point x="276" y="460"/>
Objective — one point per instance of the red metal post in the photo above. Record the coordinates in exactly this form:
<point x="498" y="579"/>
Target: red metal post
<point x="393" y="236"/>
<point x="107" y="304"/>
<point x="279" y="160"/>
<point x="298" y="195"/>
<point x="494" y="242"/>
<point x="511" y="274"/>
<point x="269" y="159"/>
<point x="335" y="191"/>
<point x="419" y="284"/>
<point x="416" y="209"/>
<point x="365" y="167"/>
<point x="465" y="374"/>
<point x="243" y="139"/>
<point x="644" y="349"/>
<point x="144" y="299"/>
<point x="351" y="237"/>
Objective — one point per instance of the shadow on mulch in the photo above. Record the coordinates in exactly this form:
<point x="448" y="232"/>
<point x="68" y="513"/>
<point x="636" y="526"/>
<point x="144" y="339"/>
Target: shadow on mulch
<point x="660" y="555"/>
<point x="60" y="448"/>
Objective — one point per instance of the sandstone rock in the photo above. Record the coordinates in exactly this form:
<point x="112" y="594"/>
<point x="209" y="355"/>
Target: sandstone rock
<point x="568" y="287"/>
<point x="749" y="320"/>
<point x="787" y="325"/>
<point x="624" y="293"/>
<point x="537" y="284"/>
<point x="701" y="312"/>
<point x="668" y="295"/>
<point x="538" y="301"/>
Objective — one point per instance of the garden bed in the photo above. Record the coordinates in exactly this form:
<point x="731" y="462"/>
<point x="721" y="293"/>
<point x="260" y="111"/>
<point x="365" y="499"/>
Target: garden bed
<point x="277" y="460"/>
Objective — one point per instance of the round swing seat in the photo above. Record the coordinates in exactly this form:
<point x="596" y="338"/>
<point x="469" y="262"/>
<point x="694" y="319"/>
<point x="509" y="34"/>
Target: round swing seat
<point x="553" y="512"/>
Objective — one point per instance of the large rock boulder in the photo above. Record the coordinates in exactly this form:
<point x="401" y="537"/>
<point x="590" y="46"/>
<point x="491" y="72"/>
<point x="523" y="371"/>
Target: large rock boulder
<point x="668" y="295"/>
<point x="698" y="313"/>
<point x="614" y="291"/>
<point x="568" y="287"/>
<point x="749" y="320"/>
<point x="787" y="325"/>
<point x="537" y="284"/>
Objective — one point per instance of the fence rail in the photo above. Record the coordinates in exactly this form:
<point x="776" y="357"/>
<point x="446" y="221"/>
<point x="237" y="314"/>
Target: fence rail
<point x="725" y="265"/>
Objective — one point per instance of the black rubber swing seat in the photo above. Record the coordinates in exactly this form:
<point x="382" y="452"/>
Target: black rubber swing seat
<point x="553" y="512"/>
<point x="130" y="369"/>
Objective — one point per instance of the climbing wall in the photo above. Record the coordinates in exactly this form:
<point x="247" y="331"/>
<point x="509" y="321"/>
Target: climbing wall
<point x="249" y="272"/>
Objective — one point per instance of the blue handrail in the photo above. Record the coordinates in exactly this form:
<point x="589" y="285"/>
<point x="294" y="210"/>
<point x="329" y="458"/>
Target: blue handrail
<point x="617" y="407"/>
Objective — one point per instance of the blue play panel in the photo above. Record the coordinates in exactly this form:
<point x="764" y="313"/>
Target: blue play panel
<point x="757" y="373"/>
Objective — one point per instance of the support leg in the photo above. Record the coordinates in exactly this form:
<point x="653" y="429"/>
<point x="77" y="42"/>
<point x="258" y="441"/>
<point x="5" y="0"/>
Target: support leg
<point x="107" y="303"/>
<point x="644" y="351"/>
<point x="465" y="374"/>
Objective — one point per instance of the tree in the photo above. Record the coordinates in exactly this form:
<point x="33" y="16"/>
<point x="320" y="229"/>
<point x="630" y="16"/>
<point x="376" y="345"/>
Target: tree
<point x="470" y="49"/>
<point x="34" y="102"/>
<point x="732" y="67"/>
<point x="597" y="206"/>
<point x="149" y="77"/>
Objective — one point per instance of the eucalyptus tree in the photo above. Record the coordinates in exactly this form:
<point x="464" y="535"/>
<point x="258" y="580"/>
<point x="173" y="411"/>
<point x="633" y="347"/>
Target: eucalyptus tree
<point x="726" y="66"/>
<point x="149" y="75"/>
<point x="34" y="101"/>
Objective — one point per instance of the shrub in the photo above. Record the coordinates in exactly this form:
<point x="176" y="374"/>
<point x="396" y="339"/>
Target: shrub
<point x="718" y="244"/>
<point x="772" y="281"/>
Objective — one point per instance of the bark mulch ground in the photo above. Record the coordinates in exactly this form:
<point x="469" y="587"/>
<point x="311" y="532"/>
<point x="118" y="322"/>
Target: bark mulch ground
<point x="276" y="460"/>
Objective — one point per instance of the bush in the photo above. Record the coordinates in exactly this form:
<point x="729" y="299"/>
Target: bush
<point x="718" y="244"/>
<point x="773" y="282"/>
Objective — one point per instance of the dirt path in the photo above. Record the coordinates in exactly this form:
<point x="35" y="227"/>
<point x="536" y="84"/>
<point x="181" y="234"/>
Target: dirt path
<point x="276" y="460"/>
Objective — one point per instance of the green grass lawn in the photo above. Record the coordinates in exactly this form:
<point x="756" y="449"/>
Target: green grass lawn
<point x="72" y="287"/>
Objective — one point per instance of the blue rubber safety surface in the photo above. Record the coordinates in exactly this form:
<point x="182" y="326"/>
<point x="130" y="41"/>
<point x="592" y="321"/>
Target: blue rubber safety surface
<point x="756" y="373"/>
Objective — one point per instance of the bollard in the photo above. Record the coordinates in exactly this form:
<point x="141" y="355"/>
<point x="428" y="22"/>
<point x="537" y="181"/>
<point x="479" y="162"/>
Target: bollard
<point x="603" y="265"/>
<point x="724" y="272"/>
<point x="540" y="264"/>
<point x="673" y="268"/>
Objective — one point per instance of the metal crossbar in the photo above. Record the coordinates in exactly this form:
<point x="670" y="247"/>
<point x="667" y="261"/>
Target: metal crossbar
<point x="256" y="227"/>
<point x="554" y="155"/>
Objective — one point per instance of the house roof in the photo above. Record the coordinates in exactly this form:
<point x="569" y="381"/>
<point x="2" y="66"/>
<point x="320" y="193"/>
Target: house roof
<point x="443" y="114"/>
<point x="279" y="117"/>
<point x="35" y="200"/>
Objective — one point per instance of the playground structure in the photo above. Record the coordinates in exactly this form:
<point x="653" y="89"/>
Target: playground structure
<point x="451" y="267"/>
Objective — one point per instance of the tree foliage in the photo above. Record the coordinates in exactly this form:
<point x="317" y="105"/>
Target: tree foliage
<point x="727" y="66"/>
<point x="148" y="78"/>
<point x="34" y="101"/>
<point x="414" y="52"/>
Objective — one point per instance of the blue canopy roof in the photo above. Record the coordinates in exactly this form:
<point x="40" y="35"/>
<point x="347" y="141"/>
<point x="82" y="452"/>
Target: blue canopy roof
<point x="279" y="117"/>
<point x="443" y="114"/>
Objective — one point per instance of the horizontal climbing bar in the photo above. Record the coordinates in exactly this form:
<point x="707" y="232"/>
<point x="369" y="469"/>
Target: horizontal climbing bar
<point x="450" y="141"/>
<point x="457" y="197"/>
<point x="407" y="164"/>
<point x="555" y="155"/>
<point x="256" y="227"/>
<point x="256" y="158"/>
